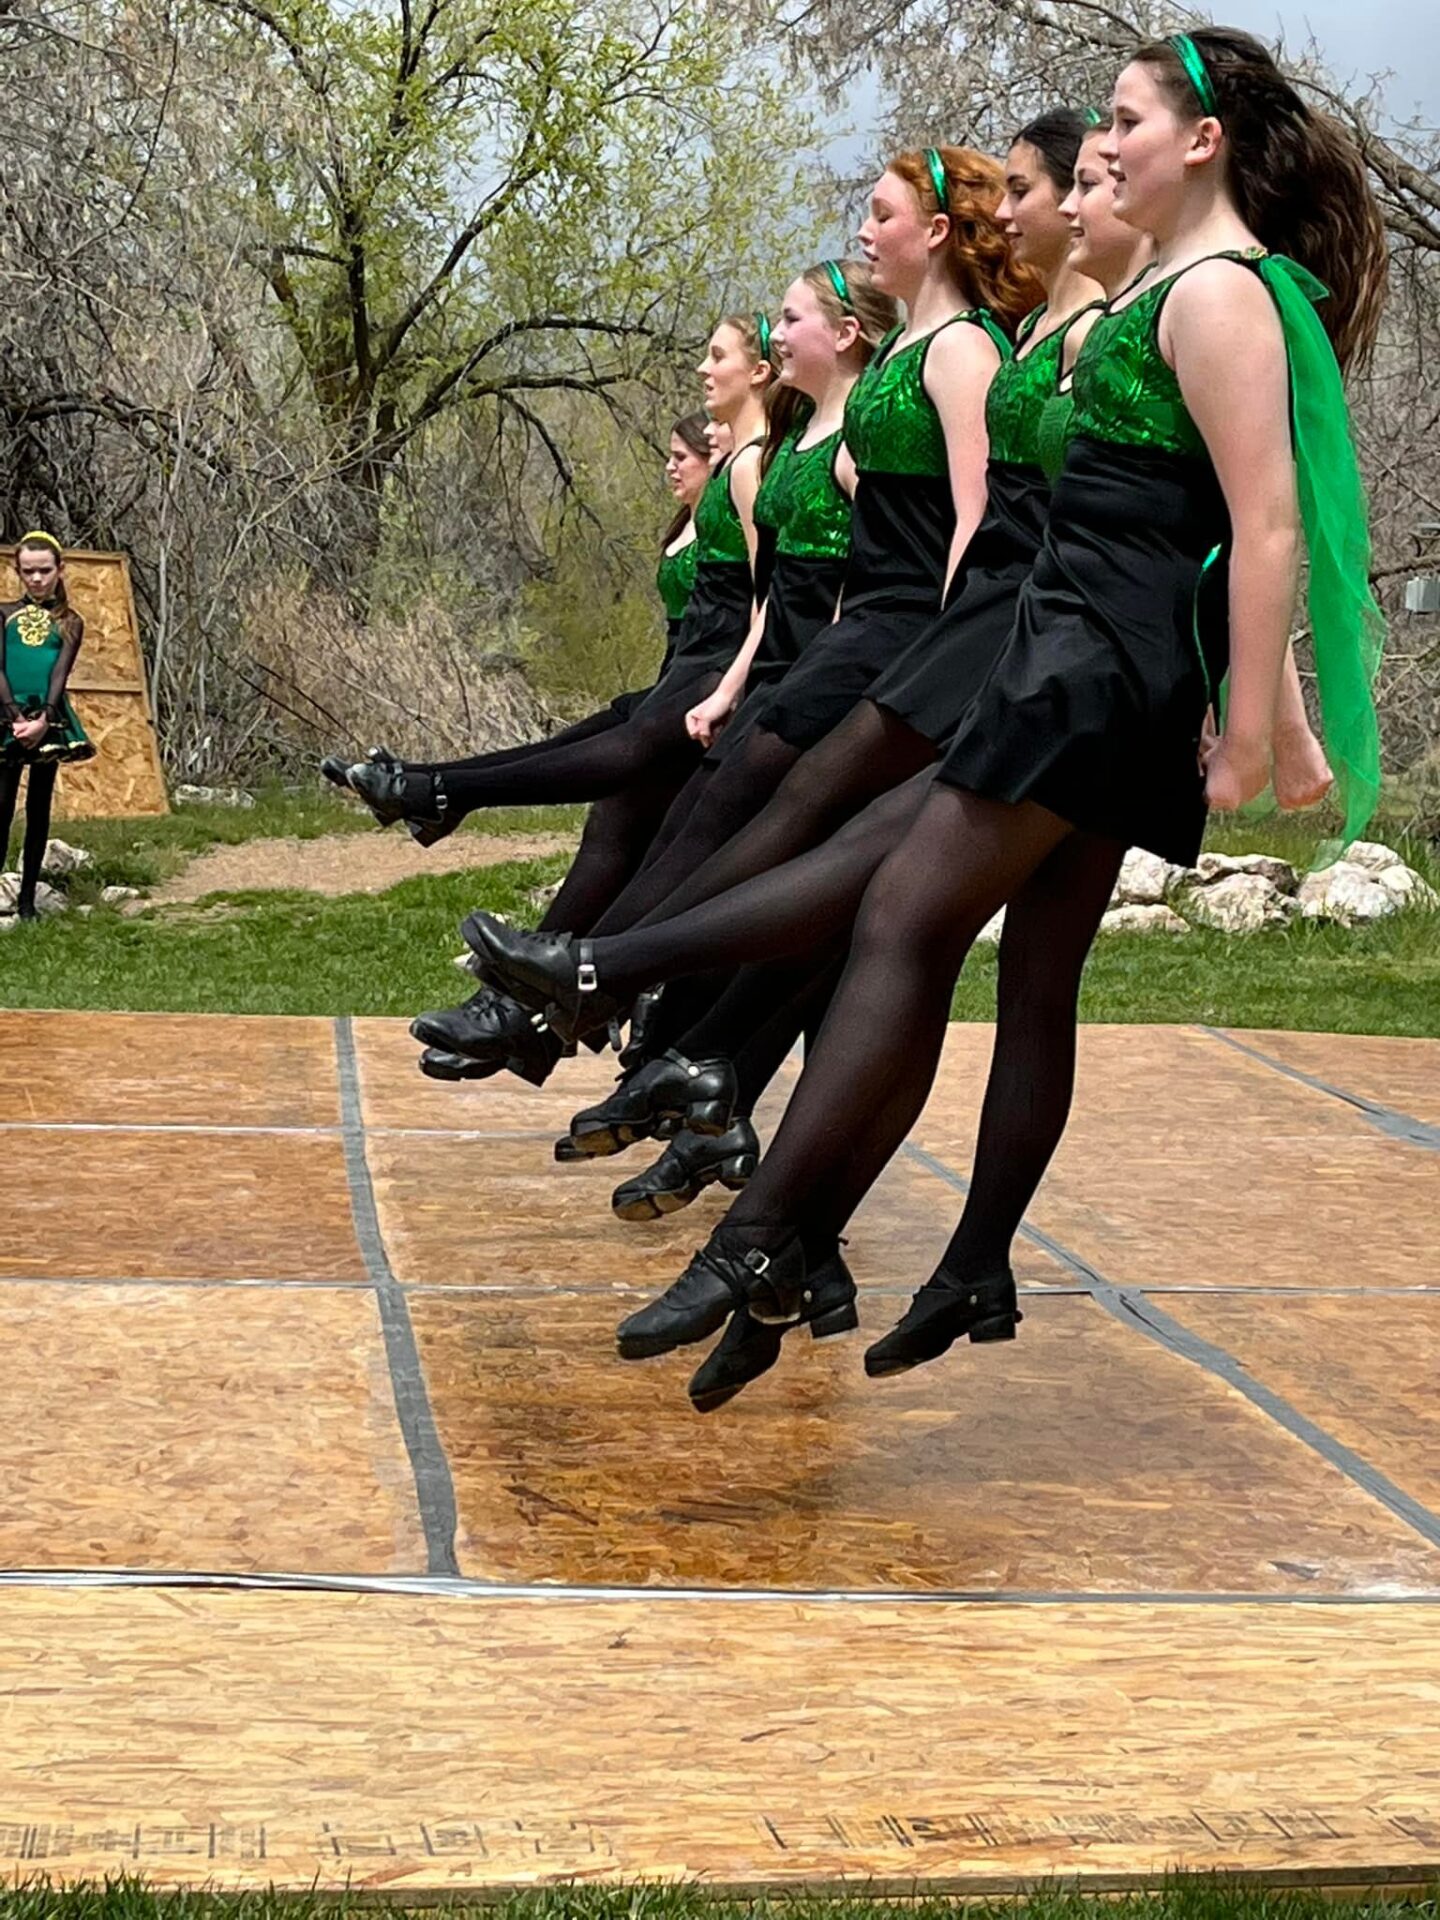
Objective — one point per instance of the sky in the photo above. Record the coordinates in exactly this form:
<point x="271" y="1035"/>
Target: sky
<point x="1358" y="38"/>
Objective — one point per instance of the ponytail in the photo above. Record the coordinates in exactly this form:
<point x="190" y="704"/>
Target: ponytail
<point x="1296" y="177"/>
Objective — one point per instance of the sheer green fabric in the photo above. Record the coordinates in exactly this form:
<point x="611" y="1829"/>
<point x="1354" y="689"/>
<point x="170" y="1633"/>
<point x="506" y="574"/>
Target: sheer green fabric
<point x="1347" y="626"/>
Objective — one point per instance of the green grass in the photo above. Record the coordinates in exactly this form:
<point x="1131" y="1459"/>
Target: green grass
<point x="1182" y="1899"/>
<point x="390" y="953"/>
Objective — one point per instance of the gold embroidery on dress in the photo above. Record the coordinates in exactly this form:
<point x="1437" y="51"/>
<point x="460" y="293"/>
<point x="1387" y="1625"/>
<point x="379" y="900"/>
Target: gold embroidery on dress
<point x="32" y="624"/>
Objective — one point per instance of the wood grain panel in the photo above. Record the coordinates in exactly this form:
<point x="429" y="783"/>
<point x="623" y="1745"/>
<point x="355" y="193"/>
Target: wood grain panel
<point x="1188" y="1165"/>
<point x="168" y="1070"/>
<point x="405" y="1745"/>
<point x="1082" y="1457"/>
<point x="1393" y="1071"/>
<point x="156" y="1206"/>
<point x="232" y="1430"/>
<point x="1366" y="1370"/>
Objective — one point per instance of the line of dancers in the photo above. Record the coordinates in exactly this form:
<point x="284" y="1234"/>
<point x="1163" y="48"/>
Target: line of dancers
<point x="992" y="580"/>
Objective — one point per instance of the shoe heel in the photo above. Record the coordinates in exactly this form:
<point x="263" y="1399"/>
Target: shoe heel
<point x="710" y="1117"/>
<point x="842" y="1319"/>
<point x="1000" y="1326"/>
<point x="739" y="1172"/>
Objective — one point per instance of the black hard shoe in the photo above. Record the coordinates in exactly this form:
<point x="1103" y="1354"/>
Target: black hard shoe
<point x="26" y="909"/>
<point x="712" y="1287"/>
<point x="551" y="973"/>
<point x="688" y="1165"/>
<point x="338" y="771"/>
<point x="566" y="1150"/>
<point x="946" y="1309"/>
<point x="428" y="833"/>
<point x="699" y="1095"/>
<point x="436" y="1064"/>
<point x="747" y="1348"/>
<point x="489" y="1026"/>
<point x="392" y="792"/>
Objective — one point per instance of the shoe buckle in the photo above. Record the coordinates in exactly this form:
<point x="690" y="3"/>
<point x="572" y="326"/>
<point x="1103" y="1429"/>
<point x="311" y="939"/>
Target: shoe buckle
<point x="586" y="978"/>
<point x="539" y="1023"/>
<point x="757" y="1261"/>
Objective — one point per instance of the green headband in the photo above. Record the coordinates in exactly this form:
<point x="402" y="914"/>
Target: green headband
<point x="1093" y="118"/>
<point x="1188" y="54"/>
<point x="937" y="177"/>
<point x="762" y="327"/>
<point x="837" y="280"/>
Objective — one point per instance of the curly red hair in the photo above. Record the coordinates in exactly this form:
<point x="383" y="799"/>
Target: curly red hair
<point x="977" y="251"/>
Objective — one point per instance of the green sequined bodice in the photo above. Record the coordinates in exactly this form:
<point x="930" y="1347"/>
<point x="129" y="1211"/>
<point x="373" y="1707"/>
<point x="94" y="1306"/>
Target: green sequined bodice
<point x="675" y="578"/>
<point x="1055" y="427"/>
<point x="32" y="644"/>
<point x="1124" y="390"/>
<point x="803" y="502"/>
<point x="718" y="532"/>
<point x="1017" y="399"/>
<point x="891" y="425"/>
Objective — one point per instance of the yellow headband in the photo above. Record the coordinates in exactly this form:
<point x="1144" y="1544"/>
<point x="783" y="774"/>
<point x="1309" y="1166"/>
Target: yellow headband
<point x="39" y="538"/>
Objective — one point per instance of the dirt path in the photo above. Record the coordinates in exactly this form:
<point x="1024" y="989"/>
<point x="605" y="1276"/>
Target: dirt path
<point x="346" y="862"/>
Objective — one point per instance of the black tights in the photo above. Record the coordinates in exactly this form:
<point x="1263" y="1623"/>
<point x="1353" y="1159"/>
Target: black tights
<point x="867" y="755"/>
<point x="760" y="1015"/>
<point x="651" y="745"/>
<point x="714" y="808"/>
<point x="39" y="799"/>
<point x="964" y="858"/>
<point x="791" y="910"/>
<point x="617" y="832"/>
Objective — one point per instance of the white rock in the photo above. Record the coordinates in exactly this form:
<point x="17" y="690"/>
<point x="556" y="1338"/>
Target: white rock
<point x="992" y="929"/>
<point x="84" y="912"/>
<point x="1405" y="886"/>
<point x="1241" y="903"/>
<point x="1144" y="878"/>
<point x="61" y="857"/>
<point x="9" y="891"/>
<point x="114" y="896"/>
<point x="47" y="899"/>
<point x="1371" y="855"/>
<point x="1347" y="893"/>
<point x="1221" y="866"/>
<point x="185" y="796"/>
<point x="1136" y="917"/>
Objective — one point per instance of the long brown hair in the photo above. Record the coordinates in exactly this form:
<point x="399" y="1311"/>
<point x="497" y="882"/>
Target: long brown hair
<point x="875" y="313"/>
<point x="977" y="253"/>
<point x="66" y="617"/>
<point x="690" y="428"/>
<point x="1296" y="177"/>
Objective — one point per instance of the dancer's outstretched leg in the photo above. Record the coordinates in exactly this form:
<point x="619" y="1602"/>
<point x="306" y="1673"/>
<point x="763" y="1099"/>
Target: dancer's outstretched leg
<point x="868" y="754"/>
<point x="791" y="910"/>
<point x="617" y="832"/>
<point x="734" y="792"/>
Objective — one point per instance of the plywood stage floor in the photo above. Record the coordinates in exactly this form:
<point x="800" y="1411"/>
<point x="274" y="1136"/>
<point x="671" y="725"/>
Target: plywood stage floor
<point x="339" y="1548"/>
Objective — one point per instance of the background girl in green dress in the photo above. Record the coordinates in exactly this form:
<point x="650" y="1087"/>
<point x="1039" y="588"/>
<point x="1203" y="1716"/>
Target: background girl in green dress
<point x="39" y="728"/>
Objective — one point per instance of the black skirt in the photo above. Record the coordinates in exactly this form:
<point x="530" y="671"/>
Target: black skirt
<point x="934" y="680"/>
<point x="713" y="630"/>
<point x="1094" y="706"/>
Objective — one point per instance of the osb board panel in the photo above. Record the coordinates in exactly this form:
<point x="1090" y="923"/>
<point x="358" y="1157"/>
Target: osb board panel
<point x="1080" y="1457"/>
<point x="1366" y="1370"/>
<point x="158" y="1206"/>
<point x="124" y="779"/>
<point x="1145" y="1184"/>
<point x="108" y="687"/>
<point x="161" y="1069"/>
<point x="232" y="1429"/>
<point x="498" y="1213"/>
<point x="1395" y="1072"/>
<point x="404" y="1744"/>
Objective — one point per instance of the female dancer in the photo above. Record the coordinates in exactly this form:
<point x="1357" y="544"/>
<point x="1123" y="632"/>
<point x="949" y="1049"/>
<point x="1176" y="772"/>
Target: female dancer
<point x="39" y="728"/>
<point x="1208" y="412"/>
